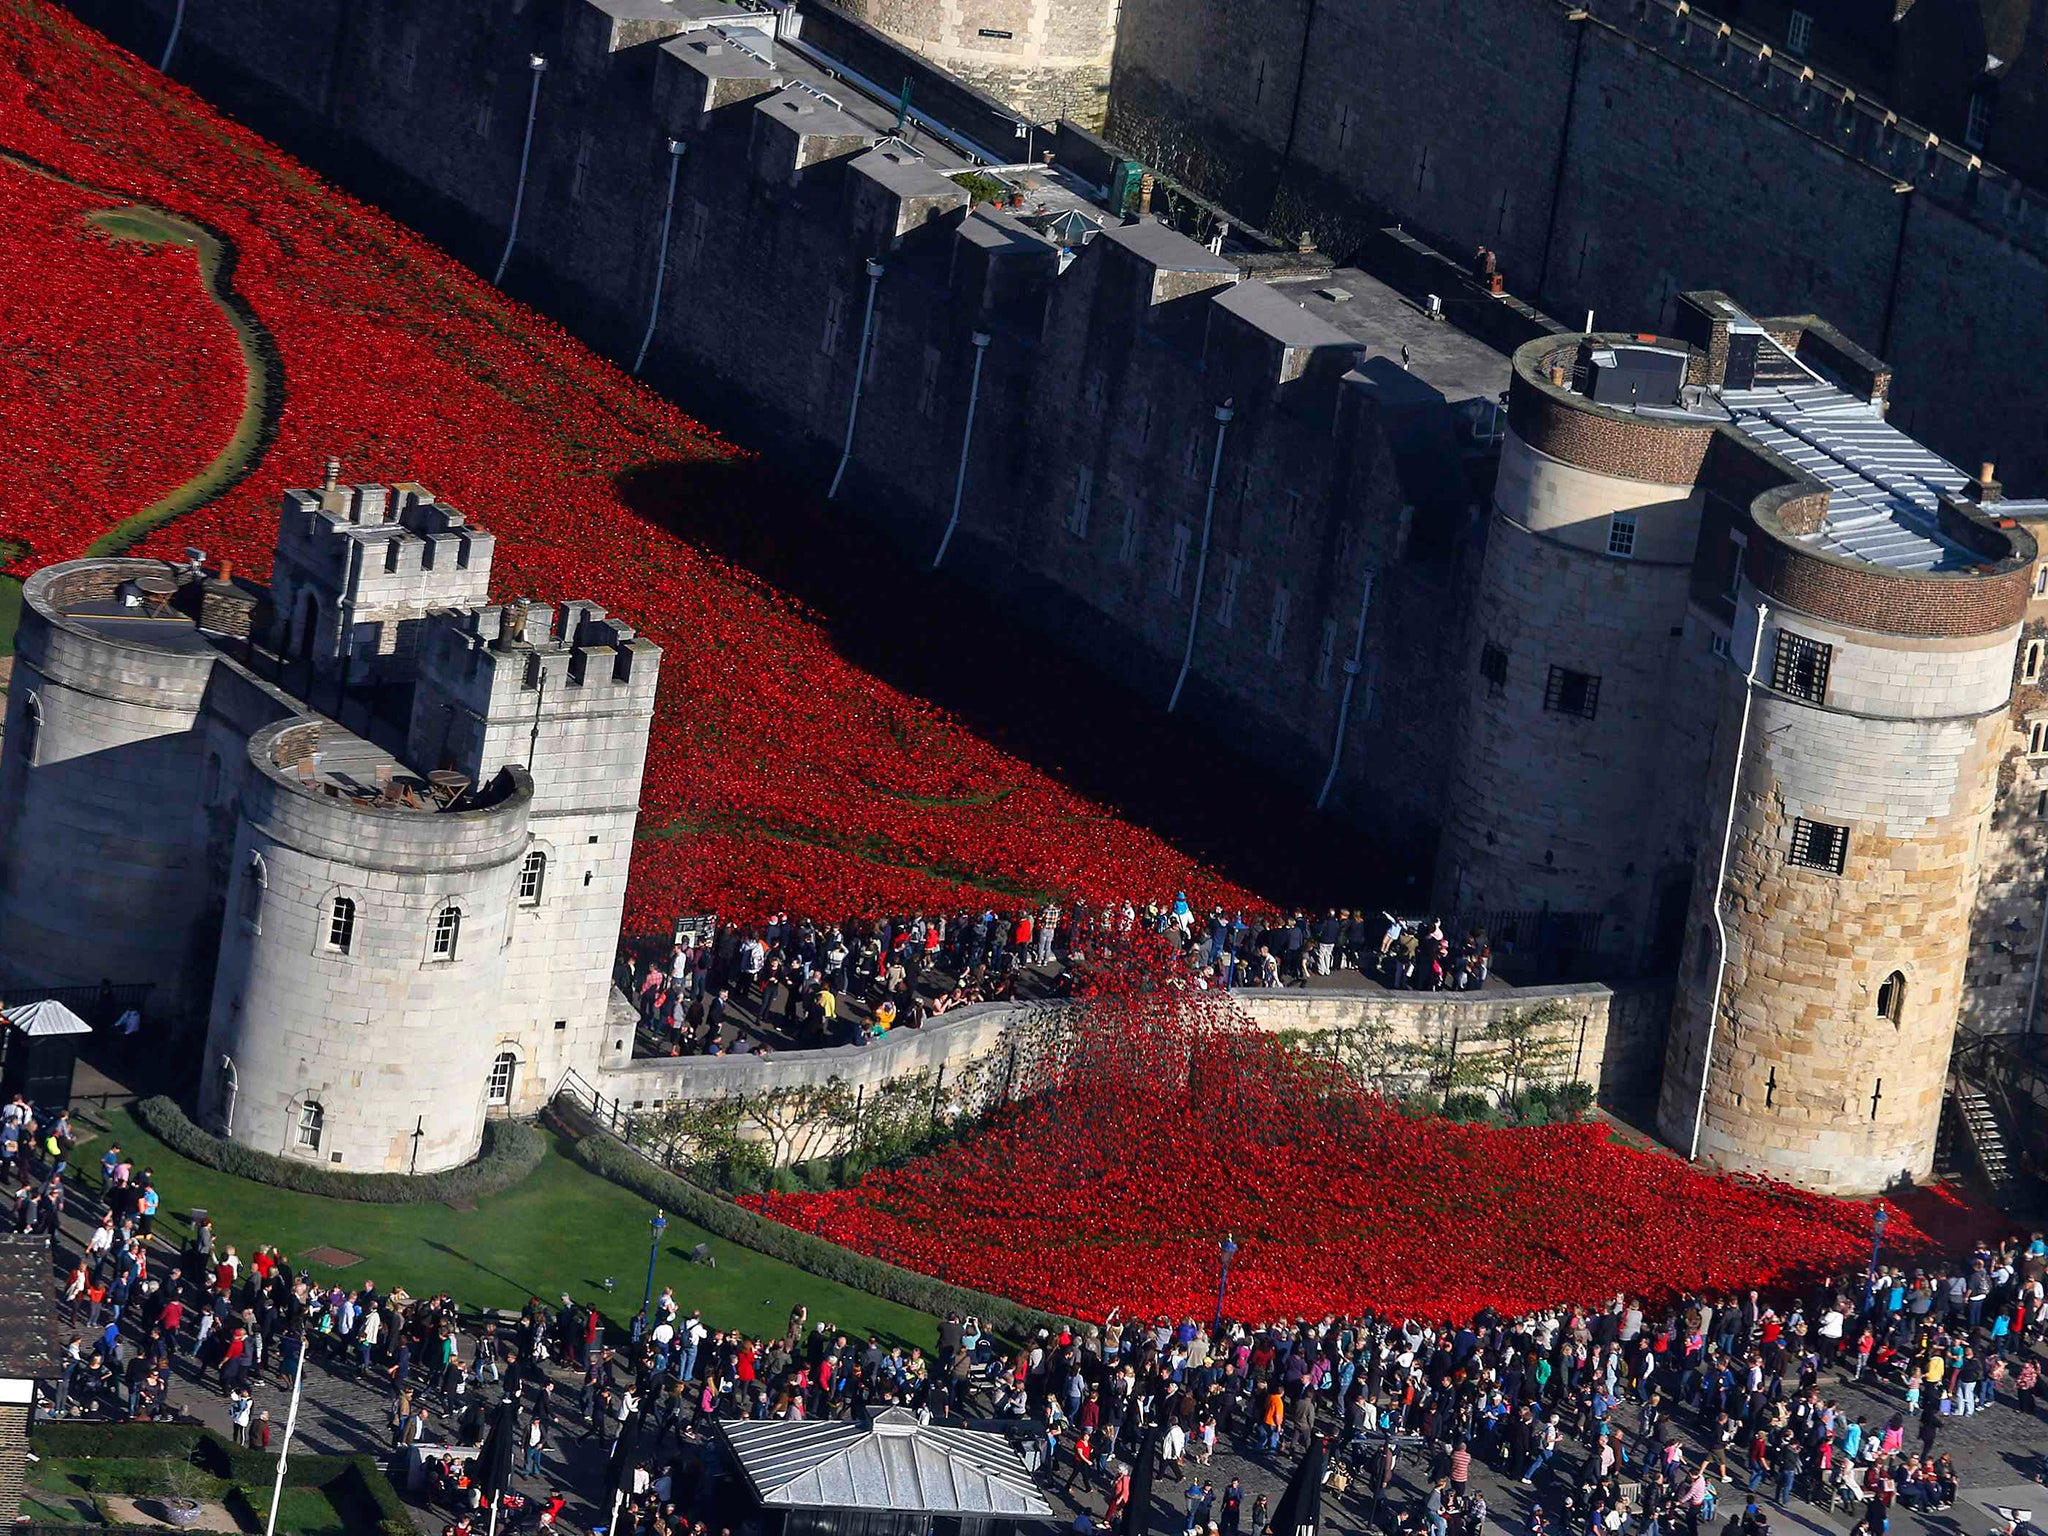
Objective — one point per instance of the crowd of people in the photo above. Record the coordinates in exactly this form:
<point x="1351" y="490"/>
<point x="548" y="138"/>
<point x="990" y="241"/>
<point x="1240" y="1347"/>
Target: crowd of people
<point x="1625" y="1418"/>
<point x="847" y="983"/>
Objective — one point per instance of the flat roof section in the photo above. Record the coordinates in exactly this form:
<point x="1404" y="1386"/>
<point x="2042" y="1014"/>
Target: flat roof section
<point x="1456" y="365"/>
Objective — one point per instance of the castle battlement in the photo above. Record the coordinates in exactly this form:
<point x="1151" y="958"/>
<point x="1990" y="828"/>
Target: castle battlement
<point x="512" y="658"/>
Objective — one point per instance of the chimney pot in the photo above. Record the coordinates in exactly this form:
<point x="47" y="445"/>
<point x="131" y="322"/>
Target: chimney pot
<point x="333" y="475"/>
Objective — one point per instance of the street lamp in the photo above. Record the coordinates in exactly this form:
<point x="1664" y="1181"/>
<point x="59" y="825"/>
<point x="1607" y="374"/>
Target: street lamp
<point x="657" y="1226"/>
<point x="1877" y="1221"/>
<point x="1228" y="1248"/>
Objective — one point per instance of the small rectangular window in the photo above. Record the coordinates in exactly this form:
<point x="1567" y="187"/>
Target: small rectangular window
<point x="835" y="303"/>
<point x="1819" y="845"/>
<point x="1276" y="630"/>
<point x="1621" y="535"/>
<point x="928" y="385"/>
<point x="1572" y="693"/>
<point x="1326" y="653"/>
<point x="1799" y="667"/>
<point x="1084" y="495"/>
<point x="1177" y="560"/>
<point x="1493" y="666"/>
<point x="579" y="179"/>
<point x="1978" y="124"/>
<point x="1799" y="32"/>
<point x="2030" y="668"/>
<point x="1226" y="600"/>
<point x="2041" y="580"/>
<point x="2037" y="738"/>
<point x="1127" y="541"/>
<point x="486" y="107"/>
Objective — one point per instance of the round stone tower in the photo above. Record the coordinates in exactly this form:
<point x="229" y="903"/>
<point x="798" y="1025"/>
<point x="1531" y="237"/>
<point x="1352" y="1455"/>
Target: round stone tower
<point x="105" y="794"/>
<point x="362" y="950"/>
<point x="1569" y="792"/>
<point x="1867" y="775"/>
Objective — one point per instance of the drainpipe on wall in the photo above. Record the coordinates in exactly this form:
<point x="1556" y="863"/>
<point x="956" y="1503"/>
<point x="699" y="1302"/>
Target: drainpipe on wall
<point x="1223" y="415"/>
<point x="177" y="25"/>
<point x="2040" y="950"/>
<point x="860" y="373"/>
<point x="675" y="158"/>
<point x="1351" y="666"/>
<point x="980" y="339"/>
<point x="1756" y="651"/>
<point x="540" y="67"/>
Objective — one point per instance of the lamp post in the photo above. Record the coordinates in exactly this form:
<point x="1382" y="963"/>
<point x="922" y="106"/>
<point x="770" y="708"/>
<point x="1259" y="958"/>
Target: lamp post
<point x="1877" y="1220"/>
<point x="657" y="1226"/>
<point x="1228" y="1248"/>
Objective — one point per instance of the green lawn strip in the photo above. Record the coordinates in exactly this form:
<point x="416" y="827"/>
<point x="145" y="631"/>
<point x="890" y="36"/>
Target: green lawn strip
<point x="303" y="1511"/>
<point x="10" y="596"/>
<point x="563" y="1229"/>
<point x="257" y="424"/>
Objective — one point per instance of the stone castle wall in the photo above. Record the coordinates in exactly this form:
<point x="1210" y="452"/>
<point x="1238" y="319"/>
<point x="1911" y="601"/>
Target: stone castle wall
<point x="1615" y="162"/>
<point x="423" y="106"/>
<point x="1047" y="58"/>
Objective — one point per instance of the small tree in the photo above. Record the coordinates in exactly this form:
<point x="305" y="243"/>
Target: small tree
<point x="1527" y="1047"/>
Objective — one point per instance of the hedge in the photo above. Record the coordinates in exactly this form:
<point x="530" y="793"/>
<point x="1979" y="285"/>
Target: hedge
<point x="609" y="1158"/>
<point x="358" y="1475"/>
<point x="511" y="1151"/>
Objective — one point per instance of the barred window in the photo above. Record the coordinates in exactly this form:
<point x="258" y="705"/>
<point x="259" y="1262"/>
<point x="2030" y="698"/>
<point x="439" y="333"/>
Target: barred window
<point x="1571" y="693"/>
<point x="1493" y="666"/>
<point x="447" y="927"/>
<point x="1800" y="667"/>
<point x="531" y="875"/>
<point x="1819" y="845"/>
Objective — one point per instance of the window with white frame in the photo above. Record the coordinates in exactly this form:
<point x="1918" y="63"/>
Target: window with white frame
<point x="2041" y="580"/>
<point x="1177" y="559"/>
<point x="1276" y="628"/>
<point x="1621" y="535"/>
<point x="498" y="1090"/>
<point x="1326" y="653"/>
<point x="1084" y="494"/>
<point x="312" y="1122"/>
<point x="2037" y="738"/>
<point x="341" y="924"/>
<point x="1226" y="599"/>
<point x="447" y="932"/>
<point x="1977" y="124"/>
<point x="2030" y="665"/>
<point x="533" y="872"/>
<point x="1799" y="32"/>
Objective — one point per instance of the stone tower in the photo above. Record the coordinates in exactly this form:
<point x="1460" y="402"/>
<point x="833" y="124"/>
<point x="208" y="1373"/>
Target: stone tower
<point x="1653" y="494"/>
<point x="374" y="835"/>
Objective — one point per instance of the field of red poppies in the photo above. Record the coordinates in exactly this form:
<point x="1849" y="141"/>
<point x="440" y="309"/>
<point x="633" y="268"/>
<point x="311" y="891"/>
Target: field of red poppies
<point x="1174" y="1125"/>
<point x="781" y="774"/>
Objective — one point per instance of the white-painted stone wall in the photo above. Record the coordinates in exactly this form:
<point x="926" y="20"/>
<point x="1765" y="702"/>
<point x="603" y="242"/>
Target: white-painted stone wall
<point x="388" y="1038"/>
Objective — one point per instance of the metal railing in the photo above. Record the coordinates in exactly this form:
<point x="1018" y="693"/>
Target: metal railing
<point x="99" y="1005"/>
<point x="1531" y="947"/>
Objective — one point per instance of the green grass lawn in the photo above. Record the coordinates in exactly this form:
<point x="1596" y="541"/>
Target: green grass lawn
<point x="61" y="1490"/>
<point x="563" y="1229"/>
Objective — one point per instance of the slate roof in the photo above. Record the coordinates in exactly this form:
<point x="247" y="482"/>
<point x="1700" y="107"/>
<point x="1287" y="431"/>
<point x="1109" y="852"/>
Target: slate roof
<point x="891" y="1462"/>
<point x="45" y="1017"/>
<point x="28" y="1314"/>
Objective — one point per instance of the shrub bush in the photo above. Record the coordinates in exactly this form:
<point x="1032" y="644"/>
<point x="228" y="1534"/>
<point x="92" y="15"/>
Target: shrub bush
<point x="611" y="1159"/>
<point x="345" y="1478"/>
<point x="818" y="1174"/>
<point x="1573" y="1100"/>
<point x="511" y="1151"/>
<point x="1466" y="1108"/>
